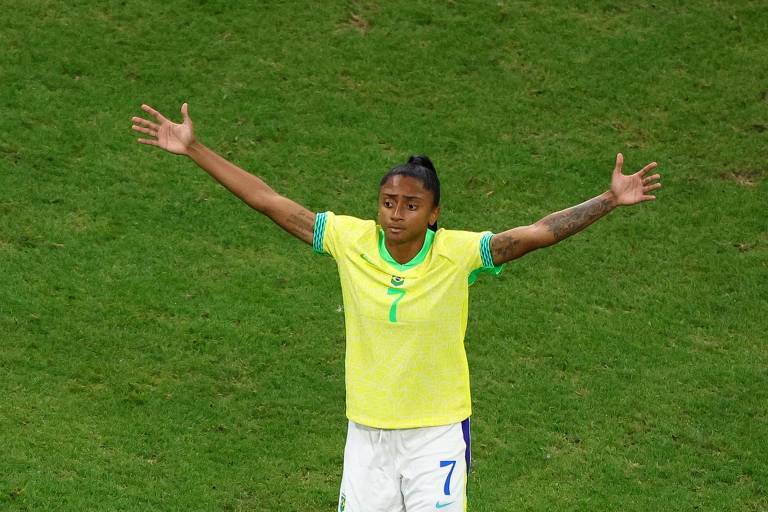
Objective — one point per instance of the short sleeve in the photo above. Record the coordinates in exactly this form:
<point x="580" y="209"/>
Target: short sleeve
<point x="332" y="233"/>
<point x="469" y="250"/>
<point x="486" y="259"/>
<point x="318" y="233"/>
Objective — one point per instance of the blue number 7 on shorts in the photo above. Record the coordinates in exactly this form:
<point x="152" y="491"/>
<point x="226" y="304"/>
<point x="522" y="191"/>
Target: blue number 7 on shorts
<point x="447" y="486"/>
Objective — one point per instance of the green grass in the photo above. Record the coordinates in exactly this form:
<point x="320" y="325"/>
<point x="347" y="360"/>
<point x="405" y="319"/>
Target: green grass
<point x="163" y="347"/>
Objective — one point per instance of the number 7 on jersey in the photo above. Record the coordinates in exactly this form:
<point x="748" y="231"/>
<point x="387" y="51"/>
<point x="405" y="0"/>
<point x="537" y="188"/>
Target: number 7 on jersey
<point x="393" y="309"/>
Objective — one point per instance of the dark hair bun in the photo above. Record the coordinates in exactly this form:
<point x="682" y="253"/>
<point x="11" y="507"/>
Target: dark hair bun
<point x="421" y="168"/>
<point x="422" y="160"/>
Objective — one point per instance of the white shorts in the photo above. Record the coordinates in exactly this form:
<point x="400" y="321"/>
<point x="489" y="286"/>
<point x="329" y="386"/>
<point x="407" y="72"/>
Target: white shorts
<point x="413" y="470"/>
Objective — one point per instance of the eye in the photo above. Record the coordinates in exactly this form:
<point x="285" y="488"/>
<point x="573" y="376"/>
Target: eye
<point x="411" y="206"/>
<point x="387" y="203"/>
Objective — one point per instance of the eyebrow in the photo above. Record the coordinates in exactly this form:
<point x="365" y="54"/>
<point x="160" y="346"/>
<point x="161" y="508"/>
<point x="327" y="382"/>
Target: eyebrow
<point x="407" y="197"/>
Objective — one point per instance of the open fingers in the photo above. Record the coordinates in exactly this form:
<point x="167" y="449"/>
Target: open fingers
<point x="145" y="122"/>
<point x="649" y="179"/>
<point x="151" y="142"/>
<point x="649" y="188"/>
<point x="149" y="110"/>
<point x="185" y="113"/>
<point x="619" y="163"/>
<point x="647" y="168"/>
<point x="148" y="131"/>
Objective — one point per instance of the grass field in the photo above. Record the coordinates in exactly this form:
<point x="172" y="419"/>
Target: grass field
<point x="163" y="347"/>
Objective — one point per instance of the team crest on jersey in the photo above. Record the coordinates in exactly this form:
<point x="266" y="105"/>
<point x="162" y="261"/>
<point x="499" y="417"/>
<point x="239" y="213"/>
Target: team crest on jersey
<point x="397" y="281"/>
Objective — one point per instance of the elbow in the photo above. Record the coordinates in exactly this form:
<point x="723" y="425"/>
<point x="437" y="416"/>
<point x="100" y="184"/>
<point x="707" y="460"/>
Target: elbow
<point x="540" y="236"/>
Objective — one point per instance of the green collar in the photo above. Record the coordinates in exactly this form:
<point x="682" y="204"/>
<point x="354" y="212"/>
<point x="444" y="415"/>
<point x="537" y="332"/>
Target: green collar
<point x="384" y="253"/>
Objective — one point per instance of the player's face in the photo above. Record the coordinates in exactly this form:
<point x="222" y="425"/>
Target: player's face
<point x="406" y="209"/>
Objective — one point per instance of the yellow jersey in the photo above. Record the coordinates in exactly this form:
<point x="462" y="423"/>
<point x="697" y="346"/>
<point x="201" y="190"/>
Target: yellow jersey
<point x="405" y="361"/>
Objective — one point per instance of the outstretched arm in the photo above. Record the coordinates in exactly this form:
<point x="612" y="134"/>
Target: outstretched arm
<point x="625" y="190"/>
<point x="180" y="139"/>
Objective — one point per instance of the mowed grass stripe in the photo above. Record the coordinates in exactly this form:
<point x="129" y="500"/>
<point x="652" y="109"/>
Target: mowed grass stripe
<point x="163" y="346"/>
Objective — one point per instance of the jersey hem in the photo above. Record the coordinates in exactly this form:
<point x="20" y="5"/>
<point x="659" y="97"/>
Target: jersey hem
<point x="398" y="425"/>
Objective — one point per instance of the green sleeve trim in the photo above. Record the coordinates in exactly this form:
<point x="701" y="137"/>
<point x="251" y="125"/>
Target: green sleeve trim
<point x="319" y="233"/>
<point x="494" y="271"/>
<point x="487" y="259"/>
<point x="485" y="249"/>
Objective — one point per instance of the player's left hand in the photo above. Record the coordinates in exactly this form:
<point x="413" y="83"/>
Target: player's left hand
<point x="633" y="188"/>
<point x="173" y="137"/>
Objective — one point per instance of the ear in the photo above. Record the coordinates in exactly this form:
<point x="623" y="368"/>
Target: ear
<point x="434" y="215"/>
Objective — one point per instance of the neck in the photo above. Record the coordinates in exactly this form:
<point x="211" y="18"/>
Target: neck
<point x="404" y="252"/>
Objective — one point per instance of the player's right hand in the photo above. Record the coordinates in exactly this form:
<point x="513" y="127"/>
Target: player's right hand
<point x="173" y="137"/>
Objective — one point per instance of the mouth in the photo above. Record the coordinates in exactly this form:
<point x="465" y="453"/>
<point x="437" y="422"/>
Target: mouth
<point x="395" y="230"/>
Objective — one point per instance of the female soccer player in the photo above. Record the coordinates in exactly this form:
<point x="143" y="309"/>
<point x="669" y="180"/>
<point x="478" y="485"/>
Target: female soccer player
<point x="405" y="288"/>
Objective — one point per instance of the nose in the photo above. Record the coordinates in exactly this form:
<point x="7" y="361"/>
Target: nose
<point x="397" y="212"/>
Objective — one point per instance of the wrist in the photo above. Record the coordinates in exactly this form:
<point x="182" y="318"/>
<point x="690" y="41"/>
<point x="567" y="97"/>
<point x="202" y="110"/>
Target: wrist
<point x="194" y="149"/>
<point x="610" y="197"/>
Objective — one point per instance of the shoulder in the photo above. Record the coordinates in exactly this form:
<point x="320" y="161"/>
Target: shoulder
<point x="334" y="231"/>
<point x="330" y="218"/>
<point x="449" y="240"/>
<point x="468" y="249"/>
<point x="457" y="244"/>
<point x="352" y="224"/>
<point x="346" y="226"/>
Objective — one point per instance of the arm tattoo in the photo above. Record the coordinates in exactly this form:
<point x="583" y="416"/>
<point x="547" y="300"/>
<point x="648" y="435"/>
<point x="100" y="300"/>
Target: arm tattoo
<point x="567" y="222"/>
<point x="302" y="224"/>
<point x="504" y="247"/>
